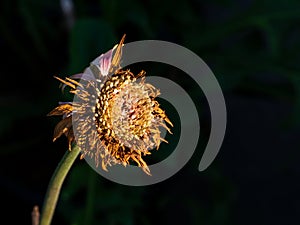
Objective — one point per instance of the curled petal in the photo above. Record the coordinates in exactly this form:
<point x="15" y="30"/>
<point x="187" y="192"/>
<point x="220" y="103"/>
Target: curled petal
<point x="105" y="62"/>
<point x="63" y="127"/>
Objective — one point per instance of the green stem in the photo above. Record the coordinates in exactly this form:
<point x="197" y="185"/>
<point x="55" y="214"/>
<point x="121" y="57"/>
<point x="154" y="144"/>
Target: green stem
<point x="55" y="185"/>
<point x="90" y="199"/>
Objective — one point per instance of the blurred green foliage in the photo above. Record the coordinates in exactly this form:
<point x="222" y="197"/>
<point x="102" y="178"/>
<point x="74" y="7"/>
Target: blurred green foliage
<point x="252" y="46"/>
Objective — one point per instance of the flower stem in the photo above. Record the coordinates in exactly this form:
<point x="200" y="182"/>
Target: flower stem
<point x="90" y="198"/>
<point x="55" y="185"/>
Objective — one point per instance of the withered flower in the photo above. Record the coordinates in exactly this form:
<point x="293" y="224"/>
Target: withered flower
<point x="116" y="117"/>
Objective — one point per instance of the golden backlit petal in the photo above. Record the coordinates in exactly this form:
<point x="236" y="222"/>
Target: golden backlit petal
<point x="164" y="140"/>
<point x="103" y="165"/>
<point x="66" y="82"/>
<point x="147" y="170"/>
<point x="115" y="62"/>
<point x="61" y="110"/>
<point x="74" y="82"/>
<point x="82" y="156"/>
<point x="142" y="75"/>
<point x="169" y="122"/>
<point x="166" y="127"/>
<point x="141" y="163"/>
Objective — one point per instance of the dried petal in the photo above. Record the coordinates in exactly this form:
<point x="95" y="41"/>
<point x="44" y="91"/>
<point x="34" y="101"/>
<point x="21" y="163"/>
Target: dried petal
<point x="62" y="127"/>
<point x="61" y="110"/>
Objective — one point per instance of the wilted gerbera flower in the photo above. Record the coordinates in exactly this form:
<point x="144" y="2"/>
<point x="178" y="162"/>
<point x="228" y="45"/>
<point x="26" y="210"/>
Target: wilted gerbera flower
<point x="113" y="118"/>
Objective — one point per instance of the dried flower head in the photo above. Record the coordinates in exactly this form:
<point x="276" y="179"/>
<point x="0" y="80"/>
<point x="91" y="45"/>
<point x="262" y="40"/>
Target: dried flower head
<point x="117" y="116"/>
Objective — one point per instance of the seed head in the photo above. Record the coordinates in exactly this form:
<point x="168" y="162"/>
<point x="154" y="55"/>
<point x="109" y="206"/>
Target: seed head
<point x="117" y="116"/>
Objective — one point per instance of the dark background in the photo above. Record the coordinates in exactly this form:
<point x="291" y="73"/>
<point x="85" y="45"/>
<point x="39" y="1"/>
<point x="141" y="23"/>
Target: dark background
<point x="251" y="46"/>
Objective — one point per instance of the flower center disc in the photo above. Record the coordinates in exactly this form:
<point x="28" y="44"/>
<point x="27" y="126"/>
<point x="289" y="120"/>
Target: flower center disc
<point x="131" y="116"/>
